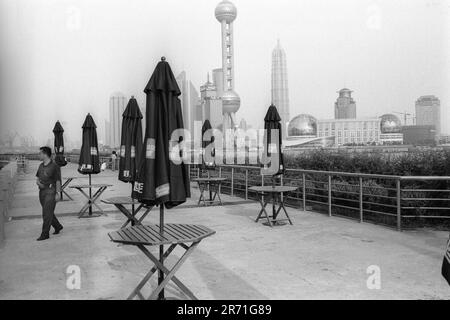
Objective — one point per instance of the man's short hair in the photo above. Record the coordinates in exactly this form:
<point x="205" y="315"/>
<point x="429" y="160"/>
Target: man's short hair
<point x="46" y="150"/>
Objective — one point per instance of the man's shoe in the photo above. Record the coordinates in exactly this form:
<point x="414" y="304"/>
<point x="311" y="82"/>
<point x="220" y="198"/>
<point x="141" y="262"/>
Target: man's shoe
<point x="43" y="237"/>
<point x="58" y="230"/>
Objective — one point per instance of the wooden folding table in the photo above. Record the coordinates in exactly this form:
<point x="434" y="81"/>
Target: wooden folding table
<point x="91" y="199"/>
<point x="184" y="236"/>
<point x="211" y="184"/>
<point x="65" y="185"/>
<point x="273" y="195"/>
<point x="136" y="207"/>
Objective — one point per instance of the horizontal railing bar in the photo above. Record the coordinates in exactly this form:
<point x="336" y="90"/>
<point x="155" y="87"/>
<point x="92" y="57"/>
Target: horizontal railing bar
<point x="426" y="199"/>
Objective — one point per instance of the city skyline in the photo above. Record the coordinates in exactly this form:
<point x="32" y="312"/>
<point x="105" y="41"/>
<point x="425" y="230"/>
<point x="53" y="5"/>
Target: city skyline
<point x="371" y="58"/>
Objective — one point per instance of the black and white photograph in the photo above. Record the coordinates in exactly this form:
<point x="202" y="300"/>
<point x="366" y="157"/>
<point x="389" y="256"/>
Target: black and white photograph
<point x="242" y="151"/>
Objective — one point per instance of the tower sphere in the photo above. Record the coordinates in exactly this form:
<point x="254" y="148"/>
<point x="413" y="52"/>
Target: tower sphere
<point x="226" y="10"/>
<point x="230" y="102"/>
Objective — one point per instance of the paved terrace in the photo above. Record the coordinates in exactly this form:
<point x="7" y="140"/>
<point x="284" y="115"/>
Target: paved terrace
<point x="317" y="258"/>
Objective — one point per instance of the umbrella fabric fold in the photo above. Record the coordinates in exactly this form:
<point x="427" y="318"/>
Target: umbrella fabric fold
<point x="131" y="142"/>
<point x="59" y="145"/>
<point x="208" y="161"/>
<point x="89" y="162"/>
<point x="272" y="144"/>
<point x="160" y="179"/>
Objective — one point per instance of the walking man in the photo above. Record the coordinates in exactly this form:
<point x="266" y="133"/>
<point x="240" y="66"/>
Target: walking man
<point x="48" y="179"/>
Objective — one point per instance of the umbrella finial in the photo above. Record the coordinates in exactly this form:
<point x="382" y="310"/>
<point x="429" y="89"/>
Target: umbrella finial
<point x="163" y="58"/>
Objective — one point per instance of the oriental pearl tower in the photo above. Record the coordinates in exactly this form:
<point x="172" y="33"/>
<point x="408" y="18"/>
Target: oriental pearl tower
<point x="226" y="13"/>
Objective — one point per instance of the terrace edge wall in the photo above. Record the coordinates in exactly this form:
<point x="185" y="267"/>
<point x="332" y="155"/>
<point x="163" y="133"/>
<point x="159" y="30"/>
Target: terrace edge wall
<point x="8" y="179"/>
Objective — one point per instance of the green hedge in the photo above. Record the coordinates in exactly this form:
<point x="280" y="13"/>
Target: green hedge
<point x="416" y="163"/>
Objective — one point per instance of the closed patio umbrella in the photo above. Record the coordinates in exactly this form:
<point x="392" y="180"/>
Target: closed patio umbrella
<point x="89" y="162"/>
<point x="162" y="181"/>
<point x="59" y="145"/>
<point x="131" y="142"/>
<point x="272" y="144"/>
<point x="208" y="161"/>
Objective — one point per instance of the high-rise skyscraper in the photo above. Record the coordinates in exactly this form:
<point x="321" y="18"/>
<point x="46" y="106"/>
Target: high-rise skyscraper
<point x="428" y="112"/>
<point x="117" y="104"/>
<point x="211" y="104"/>
<point x="280" y="90"/>
<point x="226" y="13"/>
<point x="345" y="106"/>
<point x="190" y="101"/>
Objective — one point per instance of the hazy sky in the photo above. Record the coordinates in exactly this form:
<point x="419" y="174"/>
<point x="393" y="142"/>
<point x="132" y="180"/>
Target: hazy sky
<point x="60" y="59"/>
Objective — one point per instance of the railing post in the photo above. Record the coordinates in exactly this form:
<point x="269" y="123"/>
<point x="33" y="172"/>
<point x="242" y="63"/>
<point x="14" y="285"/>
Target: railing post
<point x="361" y="199"/>
<point x="198" y="172"/>
<point x="220" y="176"/>
<point x="399" y="205"/>
<point x="232" y="182"/>
<point x="246" y="184"/>
<point x="262" y="184"/>
<point x="329" y="195"/>
<point x="304" y="191"/>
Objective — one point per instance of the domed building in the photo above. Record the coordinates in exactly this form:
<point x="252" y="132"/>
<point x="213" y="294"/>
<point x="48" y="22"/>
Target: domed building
<point x="302" y="133"/>
<point x="390" y="130"/>
<point x="303" y="125"/>
<point x="390" y="124"/>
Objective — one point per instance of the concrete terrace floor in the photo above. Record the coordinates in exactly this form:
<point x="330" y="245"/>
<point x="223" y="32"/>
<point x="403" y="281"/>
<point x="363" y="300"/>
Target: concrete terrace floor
<point x="317" y="258"/>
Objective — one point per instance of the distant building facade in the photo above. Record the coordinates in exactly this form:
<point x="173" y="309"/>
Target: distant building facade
<point x="280" y="89"/>
<point x="210" y="101"/>
<point x="345" y="106"/>
<point x="190" y="101"/>
<point x="117" y="105"/>
<point x="351" y="131"/>
<point x="428" y="112"/>
<point x="419" y="135"/>
<point x="332" y="133"/>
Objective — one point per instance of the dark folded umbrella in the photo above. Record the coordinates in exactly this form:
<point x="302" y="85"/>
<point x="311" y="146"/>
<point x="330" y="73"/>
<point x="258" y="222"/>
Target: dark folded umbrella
<point x="446" y="264"/>
<point x="272" y="144"/>
<point x="59" y="145"/>
<point x="131" y="142"/>
<point x="89" y="162"/>
<point x="208" y="161"/>
<point x="161" y="180"/>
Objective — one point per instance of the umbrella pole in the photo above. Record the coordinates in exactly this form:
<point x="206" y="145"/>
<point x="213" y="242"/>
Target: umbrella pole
<point x="132" y="205"/>
<point x="161" y="249"/>
<point x="273" y="200"/>
<point x="90" y="195"/>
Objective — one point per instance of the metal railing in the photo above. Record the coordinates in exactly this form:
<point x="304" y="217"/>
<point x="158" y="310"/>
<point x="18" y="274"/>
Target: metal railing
<point x="399" y="201"/>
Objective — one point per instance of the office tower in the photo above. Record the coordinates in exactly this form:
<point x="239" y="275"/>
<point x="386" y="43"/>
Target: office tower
<point x="211" y="104"/>
<point x="280" y="90"/>
<point x="189" y="101"/>
<point x="428" y="112"/>
<point x="117" y="105"/>
<point x="345" y="106"/>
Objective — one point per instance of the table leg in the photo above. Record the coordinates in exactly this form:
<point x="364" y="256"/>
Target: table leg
<point x="127" y="213"/>
<point x="170" y="274"/>
<point x="137" y="290"/>
<point x="285" y="212"/>
<point x="202" y="189"/>
<point x="263" y="210"/>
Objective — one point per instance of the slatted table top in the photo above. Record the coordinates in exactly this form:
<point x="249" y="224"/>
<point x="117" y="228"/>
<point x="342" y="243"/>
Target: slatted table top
<point x="149" y="234"/>
<point x="85" y="186"/>
<point x="212" y="179"/>
<point x="273" y="189"/>
<point x="121" y="200"/>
